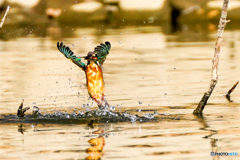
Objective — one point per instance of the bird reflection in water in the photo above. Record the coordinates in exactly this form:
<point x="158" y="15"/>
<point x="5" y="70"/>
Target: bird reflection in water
<point x="97" y="145"/>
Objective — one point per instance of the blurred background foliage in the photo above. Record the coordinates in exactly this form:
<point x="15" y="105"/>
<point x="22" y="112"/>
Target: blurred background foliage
<point x="171" y="14"/>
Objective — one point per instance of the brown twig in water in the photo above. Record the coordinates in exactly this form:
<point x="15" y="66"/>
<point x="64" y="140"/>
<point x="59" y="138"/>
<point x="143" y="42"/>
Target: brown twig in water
<point x="230" y="91"/>
<point x="4" y="17"/>
<point x="215" y="61"/>
<point x="21" y="111"/>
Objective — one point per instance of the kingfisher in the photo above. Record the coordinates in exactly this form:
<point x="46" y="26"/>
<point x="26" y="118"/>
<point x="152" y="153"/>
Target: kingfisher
<point x="92" y="69"/>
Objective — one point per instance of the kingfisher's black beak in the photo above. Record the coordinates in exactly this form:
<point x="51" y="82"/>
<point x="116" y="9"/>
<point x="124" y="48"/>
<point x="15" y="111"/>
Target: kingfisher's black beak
<point x="90" y="56"/>
<point x="86" y="57"/>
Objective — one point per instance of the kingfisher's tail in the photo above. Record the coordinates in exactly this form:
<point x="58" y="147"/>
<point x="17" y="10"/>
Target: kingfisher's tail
<point x="103" y="105"/>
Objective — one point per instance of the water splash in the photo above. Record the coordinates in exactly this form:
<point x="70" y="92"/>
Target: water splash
<point x="74" y="115"/>
<point x="85" y="114"/>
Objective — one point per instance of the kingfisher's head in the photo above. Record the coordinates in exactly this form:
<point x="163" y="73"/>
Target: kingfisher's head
<point x="91" y="56"/>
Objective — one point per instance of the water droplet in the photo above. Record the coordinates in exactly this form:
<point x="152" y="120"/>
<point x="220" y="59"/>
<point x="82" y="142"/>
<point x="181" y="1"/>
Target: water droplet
<point x="119" y="42"/>
<point x="150" y="20"/>
<point x="112" y="108"/>
<point x="35" y="109"/>
<point x="149" y="116"/>
<point x="72" y="45"/>
<point x="140" y="102"/>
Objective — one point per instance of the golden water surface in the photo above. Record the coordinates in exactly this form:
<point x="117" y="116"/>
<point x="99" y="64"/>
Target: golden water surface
<point x="147" y="68"/>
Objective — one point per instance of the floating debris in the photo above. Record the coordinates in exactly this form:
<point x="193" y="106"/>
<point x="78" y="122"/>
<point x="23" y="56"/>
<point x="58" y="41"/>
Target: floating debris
<point x="21" y="111"/>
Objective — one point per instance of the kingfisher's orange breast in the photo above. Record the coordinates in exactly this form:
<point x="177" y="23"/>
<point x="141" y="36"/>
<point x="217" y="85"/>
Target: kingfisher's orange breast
<point x="95" y="84"/>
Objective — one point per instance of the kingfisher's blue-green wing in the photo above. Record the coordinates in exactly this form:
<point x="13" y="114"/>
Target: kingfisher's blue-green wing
<point x="102" y="51"/>
<point x="70" y="55"/>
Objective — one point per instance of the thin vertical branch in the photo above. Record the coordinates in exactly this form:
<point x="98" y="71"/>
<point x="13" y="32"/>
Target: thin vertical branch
<point x="4" y="17"/>
<point x="215" y="61"/>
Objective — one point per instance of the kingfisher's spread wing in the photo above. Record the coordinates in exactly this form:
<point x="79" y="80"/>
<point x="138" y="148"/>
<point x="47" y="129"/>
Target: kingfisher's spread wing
<point x="70" y="55"/>
<point x="102" y="51"/>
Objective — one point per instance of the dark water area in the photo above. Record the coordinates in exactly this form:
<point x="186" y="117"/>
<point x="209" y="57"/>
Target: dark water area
<point x="154" y="79"/>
